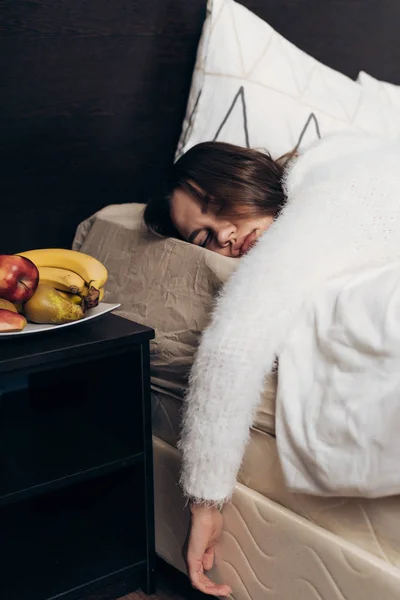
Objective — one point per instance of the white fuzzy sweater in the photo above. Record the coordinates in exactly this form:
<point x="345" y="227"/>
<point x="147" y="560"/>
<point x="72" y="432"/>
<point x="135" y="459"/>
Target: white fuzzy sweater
<point x="343" y="211"/>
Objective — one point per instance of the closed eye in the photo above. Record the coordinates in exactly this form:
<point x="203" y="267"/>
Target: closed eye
<point x="206" y="240"/>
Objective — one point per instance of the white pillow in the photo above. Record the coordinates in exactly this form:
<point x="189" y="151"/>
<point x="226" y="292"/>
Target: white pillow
<point x="254" y="88"/>
<point x="383" y="90"/>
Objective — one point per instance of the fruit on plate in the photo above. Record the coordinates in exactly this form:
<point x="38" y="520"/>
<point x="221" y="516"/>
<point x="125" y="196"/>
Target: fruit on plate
<point x="47" y="305"/>
<point x="11" y="321"/>
<point x="61" y="279"/>
<point x="8" y="305"/>
<point x="88" y="267"/>
<point x="19" y="277"/>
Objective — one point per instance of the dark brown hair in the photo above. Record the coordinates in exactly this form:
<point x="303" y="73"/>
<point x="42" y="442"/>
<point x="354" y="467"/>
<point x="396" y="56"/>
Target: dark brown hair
<point x="240" y="182"/>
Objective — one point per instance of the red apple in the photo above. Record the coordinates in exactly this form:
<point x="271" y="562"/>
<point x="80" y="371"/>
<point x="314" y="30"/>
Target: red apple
<point x="19" y="278"/>
<point x="11" y="321"/>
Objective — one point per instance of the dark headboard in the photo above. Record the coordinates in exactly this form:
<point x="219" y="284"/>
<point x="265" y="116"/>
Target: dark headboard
<point x="93" y="94"/>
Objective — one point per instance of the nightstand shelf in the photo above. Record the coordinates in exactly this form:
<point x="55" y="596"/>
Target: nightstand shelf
<point x="69" y="480"/>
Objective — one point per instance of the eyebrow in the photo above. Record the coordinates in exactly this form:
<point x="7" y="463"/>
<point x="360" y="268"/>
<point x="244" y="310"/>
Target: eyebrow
<point x="193" y="235"/>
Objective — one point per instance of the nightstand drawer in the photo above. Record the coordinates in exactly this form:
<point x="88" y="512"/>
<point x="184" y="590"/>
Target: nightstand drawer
<point x="74" y="537"/>
<point x="62" y="423"/>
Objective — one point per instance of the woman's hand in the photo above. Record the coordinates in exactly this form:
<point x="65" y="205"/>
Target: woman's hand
<point x="205" y="529"/>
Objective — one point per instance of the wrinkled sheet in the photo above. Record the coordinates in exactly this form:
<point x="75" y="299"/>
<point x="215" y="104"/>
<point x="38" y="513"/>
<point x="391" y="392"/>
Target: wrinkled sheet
<point x="164" y="283"/>
<point x="338" y="397"/>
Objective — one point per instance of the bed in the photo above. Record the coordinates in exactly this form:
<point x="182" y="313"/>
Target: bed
<point x="274" y="541"/>
<point x="98" y="101"/>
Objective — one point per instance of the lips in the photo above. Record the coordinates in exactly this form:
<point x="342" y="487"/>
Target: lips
<point x="248" y="242"/>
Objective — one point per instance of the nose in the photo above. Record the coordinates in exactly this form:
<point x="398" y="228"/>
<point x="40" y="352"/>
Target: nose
<point x="225" y="233"/>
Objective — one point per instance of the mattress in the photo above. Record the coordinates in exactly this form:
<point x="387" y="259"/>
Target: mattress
<point x="267" y="550"/>
<point x="371" y="524"/>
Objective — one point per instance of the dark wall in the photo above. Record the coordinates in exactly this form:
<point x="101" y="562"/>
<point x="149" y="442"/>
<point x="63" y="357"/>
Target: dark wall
<point x="347" y="35"/>
<point x="92" y="98"/>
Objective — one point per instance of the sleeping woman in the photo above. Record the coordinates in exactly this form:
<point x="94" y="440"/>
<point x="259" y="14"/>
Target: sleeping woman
<point x="332" y="209"/>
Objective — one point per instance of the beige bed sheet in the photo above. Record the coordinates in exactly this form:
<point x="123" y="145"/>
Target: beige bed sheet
<point x="373" y="525"/>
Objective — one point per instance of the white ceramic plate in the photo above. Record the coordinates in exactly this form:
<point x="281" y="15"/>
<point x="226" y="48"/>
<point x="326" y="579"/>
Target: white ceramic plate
<point x="101" y="309"/>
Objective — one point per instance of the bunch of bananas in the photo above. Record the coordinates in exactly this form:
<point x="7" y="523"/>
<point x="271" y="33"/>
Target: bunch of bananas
<point x="67" y="279"/>
<point x="79" y="276"/>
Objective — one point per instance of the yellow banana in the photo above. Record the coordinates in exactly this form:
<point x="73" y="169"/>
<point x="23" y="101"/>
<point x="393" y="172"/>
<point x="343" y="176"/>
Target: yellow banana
<point x="74" y="298"/>
<point x="88" y="267"/>
<point x="79" y="298"/>
<point x="61" y="279"/>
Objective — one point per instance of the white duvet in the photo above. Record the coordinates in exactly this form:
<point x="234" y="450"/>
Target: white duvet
<point x="338" y="403"/>
<point x="342" y="213"/>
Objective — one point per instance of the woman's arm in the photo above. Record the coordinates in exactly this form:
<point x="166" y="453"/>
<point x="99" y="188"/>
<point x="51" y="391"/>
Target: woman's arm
<point x="225" y="385"/>
<point x="226" y="382"/>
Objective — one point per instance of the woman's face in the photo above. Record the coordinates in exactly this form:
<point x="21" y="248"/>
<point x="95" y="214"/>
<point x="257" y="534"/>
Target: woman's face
<point x="202" y="226"/>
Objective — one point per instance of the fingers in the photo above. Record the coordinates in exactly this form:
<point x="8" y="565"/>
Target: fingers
<point x="201" y="582"/>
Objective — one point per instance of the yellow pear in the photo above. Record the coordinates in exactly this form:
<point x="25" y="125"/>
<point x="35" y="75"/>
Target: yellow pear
<point x="47" y="305"/>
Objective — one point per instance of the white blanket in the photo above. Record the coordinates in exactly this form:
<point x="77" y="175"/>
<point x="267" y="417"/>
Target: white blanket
<point x="338" y="404"/>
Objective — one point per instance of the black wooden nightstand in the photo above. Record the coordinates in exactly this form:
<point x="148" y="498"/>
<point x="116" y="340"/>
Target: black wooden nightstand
<point x="76" y="463"/>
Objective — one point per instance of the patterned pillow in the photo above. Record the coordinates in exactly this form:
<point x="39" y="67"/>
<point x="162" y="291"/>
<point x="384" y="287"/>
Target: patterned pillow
<point x="164" y="283"/>
<point x="382" y="90"/>
<point x="253" y="87"/>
